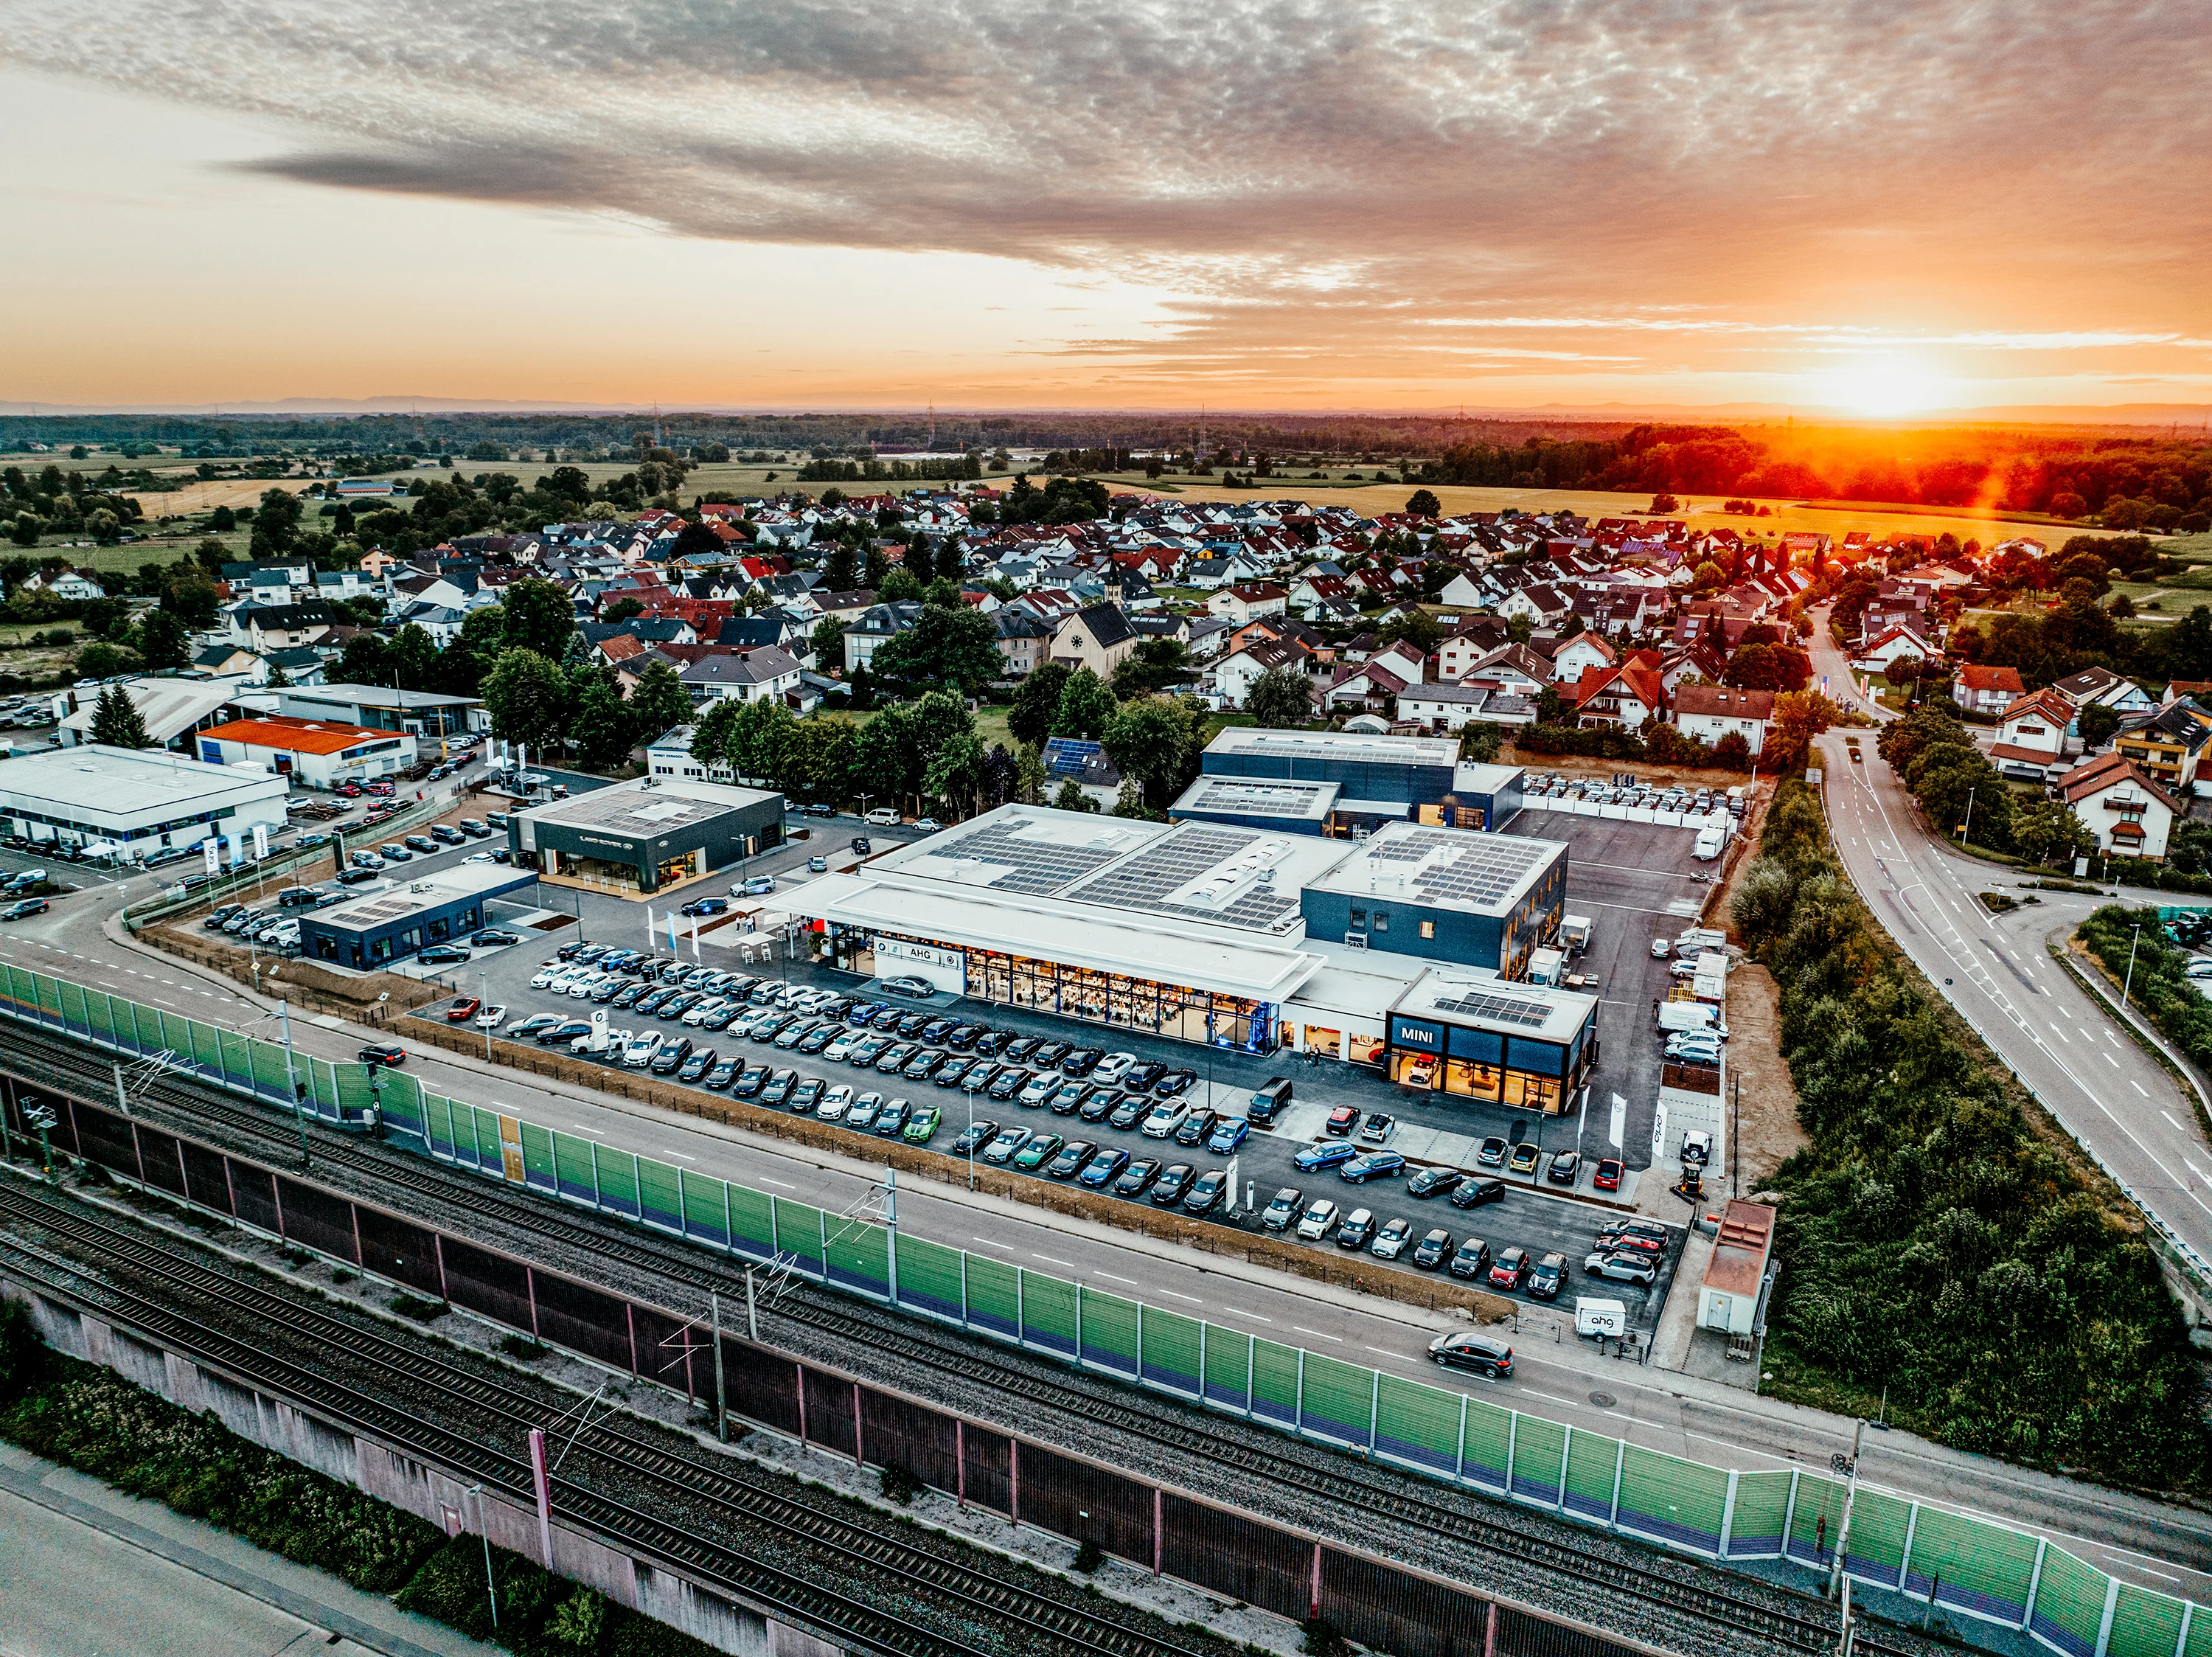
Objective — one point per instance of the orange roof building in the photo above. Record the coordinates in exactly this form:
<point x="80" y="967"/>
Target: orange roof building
<point x="320" y="753"/>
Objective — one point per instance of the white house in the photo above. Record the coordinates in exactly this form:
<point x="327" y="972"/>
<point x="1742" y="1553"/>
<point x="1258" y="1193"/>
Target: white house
<point x="2130" y="815"/>
<point x="2033" y="737"/>
<point x="1514" y="668"/>
<point x="1444" y="707"/>
<point x="761" y="675"/>
<point x="1710" y="712"/>
<point x="1248" y="600"/>
<point x="1583" y="650"/>
<point x="1233" y="675"/>
<point x="1986" y="690"/>
<point x="1892" y="644"/>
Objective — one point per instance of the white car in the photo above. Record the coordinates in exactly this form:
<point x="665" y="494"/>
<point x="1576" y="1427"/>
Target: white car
<point x="490" y="1017"/>
<point x="1317" y="1220"/>
<point x="1112" y="1067"/>
<point x="1660" y="949"/>
<point x="480" y="857"/>
<point x="1165" y="1118"/>
<point x="696" y="1016"/>
<point x="835" y="1102"/>
<point x="583" y="987"/>
<point x="1043" y="1087"/>
<point x="792" y="997"/>
<point x="543" y="977"/>
<point x="841" y="1049"/>
<point x="1390" y="1242"/>
<point x="640" y="1053"/>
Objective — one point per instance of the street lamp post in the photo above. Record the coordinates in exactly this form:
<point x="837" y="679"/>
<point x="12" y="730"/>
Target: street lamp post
<point x="2129" y="981"/>
<point x="1967" y="829"/>
<point x="1838" y="1575"/>
<point x="483" y="1529"/>
<point x="292" y="1077"/>
<point x="484" y="982"/>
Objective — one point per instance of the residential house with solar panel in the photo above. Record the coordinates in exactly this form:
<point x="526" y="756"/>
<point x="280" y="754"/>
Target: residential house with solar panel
<point x="1071" y="759"/>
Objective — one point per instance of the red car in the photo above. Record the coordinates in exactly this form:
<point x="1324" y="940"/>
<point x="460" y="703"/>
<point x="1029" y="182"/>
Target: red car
<point x="1343" y="1119"/>
<point x="1511" y="1265"/>
<point x="348" y="790"/>
<point x="464" y="1009"/>
<point x="383" y="1052"/>
<point x="1607" y="1177"/>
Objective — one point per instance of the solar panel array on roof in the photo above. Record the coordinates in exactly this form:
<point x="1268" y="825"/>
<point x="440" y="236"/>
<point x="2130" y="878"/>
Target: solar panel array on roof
<point x="1040" y="866"/>
<point x="623" y="811"/>
<point x="1461" y="868"/>
<point x="1257" y="796"/>
<point x="1169" y="865"/>
<point x="1068" y="757"/>
<point x="1498" y="1009"/>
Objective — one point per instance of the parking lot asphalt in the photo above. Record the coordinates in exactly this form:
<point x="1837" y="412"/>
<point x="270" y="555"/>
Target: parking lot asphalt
<point x="1624" y="876"/>
<point x="1635" y="882"/>
<point x="1529" y="1215"/>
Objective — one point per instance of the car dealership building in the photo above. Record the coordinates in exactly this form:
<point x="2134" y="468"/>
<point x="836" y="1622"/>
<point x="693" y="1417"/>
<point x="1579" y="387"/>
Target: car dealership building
<point x="1244" y="937"/>
<point x="636" y="837"/>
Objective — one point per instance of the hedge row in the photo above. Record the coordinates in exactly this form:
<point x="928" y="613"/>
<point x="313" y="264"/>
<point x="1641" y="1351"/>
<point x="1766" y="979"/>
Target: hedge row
<point x="2158" y="986"/>
<point x="91" y="1419"/>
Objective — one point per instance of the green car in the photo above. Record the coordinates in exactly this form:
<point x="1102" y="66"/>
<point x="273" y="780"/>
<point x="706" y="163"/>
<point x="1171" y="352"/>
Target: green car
<point x="922" y="1126"/>
<point x="1038" y="1152"/>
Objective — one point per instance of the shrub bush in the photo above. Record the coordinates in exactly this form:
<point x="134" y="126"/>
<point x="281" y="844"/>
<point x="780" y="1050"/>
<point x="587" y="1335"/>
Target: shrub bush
<point x="1935" y="1240"/>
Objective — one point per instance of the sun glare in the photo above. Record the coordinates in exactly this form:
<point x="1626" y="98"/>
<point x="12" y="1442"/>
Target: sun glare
<point x="1886" y="386"/>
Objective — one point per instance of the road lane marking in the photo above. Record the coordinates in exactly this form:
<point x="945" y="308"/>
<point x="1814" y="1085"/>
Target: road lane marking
<point x="1193" y="1299"/>
<point x="2110" y="1060"/>
<point x="765" y="1181"/>
<point x="2168" y="1115"/>
<point x="1111" y="1278"/>
<point x="2137" y="1086"/>
<point x="1239" y="1311"/>
<point x="2055" y="1031"/>
<point x="1064" y="1265"/>
<point x="1317" y="1334"/>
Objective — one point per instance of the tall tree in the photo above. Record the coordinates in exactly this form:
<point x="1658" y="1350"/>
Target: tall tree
<point x="164" y="641"/>
<point x="116" y="721"/>
<point x="275" y="524"/>
<point x="527" y="699"/>
<point x="540" y="617"/>
<point x="1279" y="698"/>
<point x="366" y="659"/>
<point x="841" y="574"/>
<point x="817" y="757"/>
<point x="1086" y="703"/>
<point x="1150" y="743"/>
<point x="660" y="703"/>
<point x="1030" y="720"/>
<point x="603" y="730"/>
<point x="921" y="559"/>
<point x="414" y="657"/>
<point x="952" y="646"/>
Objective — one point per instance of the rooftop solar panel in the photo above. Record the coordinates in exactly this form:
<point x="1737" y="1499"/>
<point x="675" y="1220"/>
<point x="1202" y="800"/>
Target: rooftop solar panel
<point x="1498" y="1009"/>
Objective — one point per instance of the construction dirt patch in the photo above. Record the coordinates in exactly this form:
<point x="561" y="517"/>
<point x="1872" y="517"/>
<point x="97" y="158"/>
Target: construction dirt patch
<point x="1762" y="1096"/>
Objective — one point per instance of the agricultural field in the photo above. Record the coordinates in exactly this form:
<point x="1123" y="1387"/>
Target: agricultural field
<point x="1704" y="511"/>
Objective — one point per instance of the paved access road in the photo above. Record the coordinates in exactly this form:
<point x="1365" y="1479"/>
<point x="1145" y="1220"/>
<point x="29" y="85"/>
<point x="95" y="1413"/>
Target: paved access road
<point x="2058" y="1038"/>
<point x="1557" y="1376"/>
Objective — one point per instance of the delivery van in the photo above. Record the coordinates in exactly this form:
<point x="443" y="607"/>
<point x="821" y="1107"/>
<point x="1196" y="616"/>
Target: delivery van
<point x="1268" y="1100"/>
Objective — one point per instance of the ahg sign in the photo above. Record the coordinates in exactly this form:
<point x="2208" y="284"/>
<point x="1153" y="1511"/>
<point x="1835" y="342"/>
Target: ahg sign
<point x="945" y="968"/>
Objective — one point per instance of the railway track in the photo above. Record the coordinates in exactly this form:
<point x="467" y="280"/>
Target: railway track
<point x="1355" y="1486"/>
<point x="1084" y="1629"/>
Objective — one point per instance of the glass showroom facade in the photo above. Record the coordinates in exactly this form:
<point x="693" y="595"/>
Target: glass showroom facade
<point x="1112" y="999"/>
<point x="1519" y="1071"/>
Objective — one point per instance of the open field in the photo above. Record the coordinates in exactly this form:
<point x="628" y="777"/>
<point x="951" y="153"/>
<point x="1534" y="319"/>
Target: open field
<point x="1879" y="521"/>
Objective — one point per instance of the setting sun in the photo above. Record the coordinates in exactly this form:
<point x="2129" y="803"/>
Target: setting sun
<point x="1886" y="385"/>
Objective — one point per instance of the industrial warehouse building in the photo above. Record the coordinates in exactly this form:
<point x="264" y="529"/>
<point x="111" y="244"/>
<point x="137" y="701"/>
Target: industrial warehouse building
<point x="141" y="802"/>
<point x="371" y="932"/>
<point x="637" y="838"/>
<point x="317" y="753"/>
<point x="1330" y="783"/>
<point x="1240" y="936"/>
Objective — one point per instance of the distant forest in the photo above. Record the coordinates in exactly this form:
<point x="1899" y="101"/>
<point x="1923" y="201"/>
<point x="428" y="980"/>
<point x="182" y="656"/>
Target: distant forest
<point x="2069" y="472"/>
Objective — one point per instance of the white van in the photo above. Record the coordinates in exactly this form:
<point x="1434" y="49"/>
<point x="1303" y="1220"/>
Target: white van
<point x="1600" y="1317"/>
<point x="1710" y="843"/>
<point x="882" y="817"/>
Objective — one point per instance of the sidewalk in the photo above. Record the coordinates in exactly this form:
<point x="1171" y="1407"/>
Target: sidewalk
<point x="89" y="1571"/>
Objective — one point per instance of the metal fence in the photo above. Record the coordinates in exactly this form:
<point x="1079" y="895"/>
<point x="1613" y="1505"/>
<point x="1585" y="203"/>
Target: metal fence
<point x="1965" y="1566"/>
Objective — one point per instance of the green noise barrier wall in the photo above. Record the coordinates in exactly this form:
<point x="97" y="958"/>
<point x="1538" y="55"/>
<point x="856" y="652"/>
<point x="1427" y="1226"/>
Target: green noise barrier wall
<point x="1961" y="1563"/>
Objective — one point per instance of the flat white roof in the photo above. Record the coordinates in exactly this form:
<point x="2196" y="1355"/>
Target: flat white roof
<point x="1483" y="1001"/>
<point x="1464" y="870"/>
<point x="1338" y="745"/>
<point x="400" y="899"/>
<point x="169" y="706"/>
<point x="1469" y="777"/>
<point x="122" y="786"/>
<point x="646" y="807"/>
<point x="1199" y="956"/>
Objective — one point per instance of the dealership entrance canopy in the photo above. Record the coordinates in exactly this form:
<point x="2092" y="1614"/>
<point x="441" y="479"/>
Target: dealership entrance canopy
<point x="1197" y="930"/>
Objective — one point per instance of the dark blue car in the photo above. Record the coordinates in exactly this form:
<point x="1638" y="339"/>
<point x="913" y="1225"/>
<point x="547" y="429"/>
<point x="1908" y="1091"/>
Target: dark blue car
<point x="1329" y="1154"/>
<point x="1371" y="1164"/>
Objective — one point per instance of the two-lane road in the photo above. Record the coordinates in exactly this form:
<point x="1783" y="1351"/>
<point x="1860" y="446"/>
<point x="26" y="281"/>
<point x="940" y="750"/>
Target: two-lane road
<point x="2113" y="1097"/>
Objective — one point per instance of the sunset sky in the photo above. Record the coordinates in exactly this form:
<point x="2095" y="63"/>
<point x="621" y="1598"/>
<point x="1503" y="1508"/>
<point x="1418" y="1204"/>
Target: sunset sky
<point x="1880" y="208"/>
